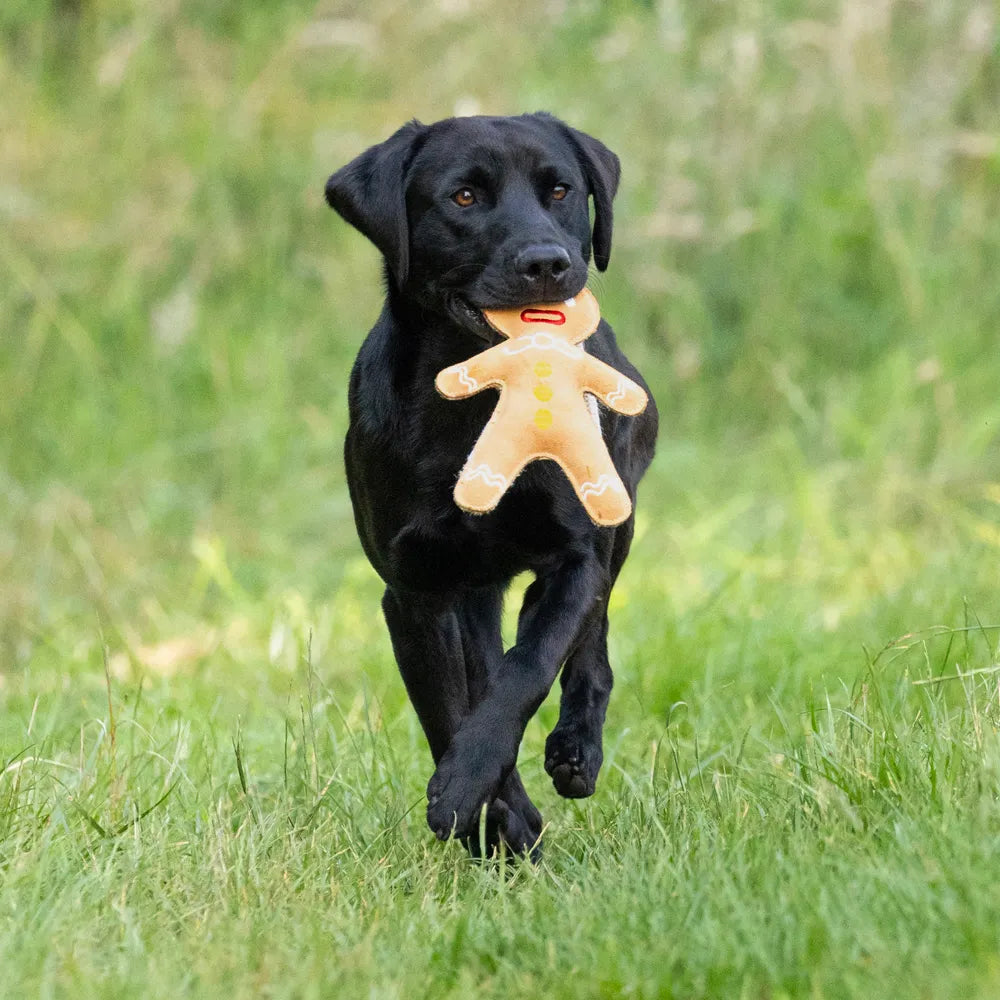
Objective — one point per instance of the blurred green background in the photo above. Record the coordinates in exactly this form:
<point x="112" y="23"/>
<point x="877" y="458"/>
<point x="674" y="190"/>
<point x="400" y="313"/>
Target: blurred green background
<point x="806" y="268"/>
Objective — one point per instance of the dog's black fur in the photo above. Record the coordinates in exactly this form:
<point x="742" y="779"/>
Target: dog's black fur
<point x="524" y="237"/>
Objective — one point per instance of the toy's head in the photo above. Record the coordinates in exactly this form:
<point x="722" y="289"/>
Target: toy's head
<point x="573" y="320"/>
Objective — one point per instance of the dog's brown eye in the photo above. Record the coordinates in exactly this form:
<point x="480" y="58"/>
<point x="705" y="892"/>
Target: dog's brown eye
<point x="559" y="192"/>
<point x="464" y="197"/>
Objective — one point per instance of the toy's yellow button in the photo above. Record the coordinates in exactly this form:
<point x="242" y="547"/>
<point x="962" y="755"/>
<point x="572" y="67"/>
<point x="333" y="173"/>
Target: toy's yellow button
<point x="543" y="419"/>
<point x="543" y="369"/>
<point x="543" y="393"/>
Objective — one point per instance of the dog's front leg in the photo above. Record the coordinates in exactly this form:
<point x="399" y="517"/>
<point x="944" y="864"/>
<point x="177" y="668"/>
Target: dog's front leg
<point x="484" y="749"/>
<point x="444" y="647"/>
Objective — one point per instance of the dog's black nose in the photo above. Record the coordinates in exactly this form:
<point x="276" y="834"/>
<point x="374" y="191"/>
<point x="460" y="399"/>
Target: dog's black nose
<point x="542" y="263"/>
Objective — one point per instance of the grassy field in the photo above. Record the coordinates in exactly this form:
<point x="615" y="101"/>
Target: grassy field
<point x="210" y="780"/>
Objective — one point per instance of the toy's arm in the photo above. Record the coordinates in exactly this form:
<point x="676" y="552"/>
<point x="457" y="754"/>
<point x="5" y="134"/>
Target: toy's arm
<point x="612" y="388"/>
<point x="470" y="377"/>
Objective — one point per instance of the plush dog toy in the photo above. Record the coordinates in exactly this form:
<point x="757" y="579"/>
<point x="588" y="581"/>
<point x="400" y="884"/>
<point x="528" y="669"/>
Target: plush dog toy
<point x="546" y="410"/>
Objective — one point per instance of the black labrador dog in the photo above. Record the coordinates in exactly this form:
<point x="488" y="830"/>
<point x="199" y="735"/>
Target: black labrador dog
<point x="470" y="214"/>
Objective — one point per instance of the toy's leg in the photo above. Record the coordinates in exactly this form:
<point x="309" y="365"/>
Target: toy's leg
<point x="484" y="750"/>
<point x="489" y="470"/>
<point x="596" y="480"/>
<point x="430" y="640"/>
<point x="574" y="750"/>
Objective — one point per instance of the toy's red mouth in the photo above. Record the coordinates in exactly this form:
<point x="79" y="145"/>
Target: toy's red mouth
<point x="537" y="315"/>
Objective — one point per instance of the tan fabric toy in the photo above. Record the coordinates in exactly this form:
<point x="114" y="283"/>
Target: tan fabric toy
<point x="546" y="409"/>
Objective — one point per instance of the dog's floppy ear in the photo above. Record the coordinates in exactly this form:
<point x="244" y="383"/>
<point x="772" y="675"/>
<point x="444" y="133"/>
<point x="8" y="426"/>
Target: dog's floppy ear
<point x="602" y="170"/>
<point x="370" y="193"/>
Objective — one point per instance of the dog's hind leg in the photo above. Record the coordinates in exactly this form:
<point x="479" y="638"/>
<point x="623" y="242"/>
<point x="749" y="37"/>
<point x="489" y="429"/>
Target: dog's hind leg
<point x="574" y="750"/>
<point x="428" y="646"/>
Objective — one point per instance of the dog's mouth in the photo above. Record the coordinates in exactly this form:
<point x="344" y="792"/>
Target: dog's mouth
<point x="471" y="318"/>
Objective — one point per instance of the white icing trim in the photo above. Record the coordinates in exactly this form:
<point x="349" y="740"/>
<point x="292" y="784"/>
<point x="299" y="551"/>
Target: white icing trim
<point x="487" y="475"/>
<point x="618" y="394"/>
<point x="541" y="340"/>
<point x="465" y="378"/>
<point x="603" y="484"/>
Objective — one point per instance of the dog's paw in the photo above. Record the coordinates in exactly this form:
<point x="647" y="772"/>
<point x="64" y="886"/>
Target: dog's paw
<point x="573" y="760"/>
<point x="515" y="826"/>
<point x="457" y="793"/>
<point x="519" y="821"/>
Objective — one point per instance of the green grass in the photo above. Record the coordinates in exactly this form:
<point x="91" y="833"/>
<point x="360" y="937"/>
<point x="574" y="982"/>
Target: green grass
<point x="210" y="779"/>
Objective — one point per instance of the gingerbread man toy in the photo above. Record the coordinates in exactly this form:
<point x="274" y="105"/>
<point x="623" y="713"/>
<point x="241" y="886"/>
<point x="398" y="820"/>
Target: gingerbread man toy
<point x="547" y="386"/>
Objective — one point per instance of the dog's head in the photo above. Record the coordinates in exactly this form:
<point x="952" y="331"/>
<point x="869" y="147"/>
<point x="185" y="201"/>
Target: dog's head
<point x="482" y="212"/>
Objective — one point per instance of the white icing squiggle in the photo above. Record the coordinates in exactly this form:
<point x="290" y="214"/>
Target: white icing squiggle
<point x="487" y="475"/>
<point x="618" y="394"/>
<point x="603" y="484"/>
<point x="465" y="378"/>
